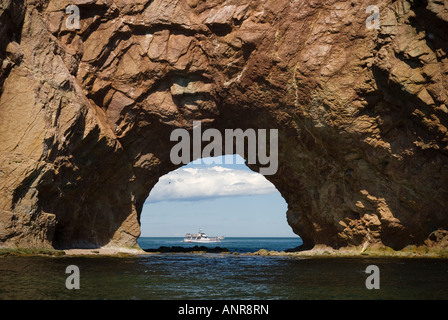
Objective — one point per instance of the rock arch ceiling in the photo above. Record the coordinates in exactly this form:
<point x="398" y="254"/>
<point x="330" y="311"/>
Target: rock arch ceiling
<point x="86" y="114"/>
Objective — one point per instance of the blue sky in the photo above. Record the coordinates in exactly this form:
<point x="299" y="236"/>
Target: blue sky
<point x="223" y="199"/>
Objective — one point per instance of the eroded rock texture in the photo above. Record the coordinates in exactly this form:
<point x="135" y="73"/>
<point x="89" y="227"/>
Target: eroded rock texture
<point x="86" y="115"/>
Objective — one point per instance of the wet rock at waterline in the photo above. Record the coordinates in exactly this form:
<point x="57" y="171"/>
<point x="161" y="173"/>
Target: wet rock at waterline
<point x="86" y="113"/>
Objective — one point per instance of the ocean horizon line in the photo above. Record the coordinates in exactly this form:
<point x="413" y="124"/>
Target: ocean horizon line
<point x="227" y="237"/>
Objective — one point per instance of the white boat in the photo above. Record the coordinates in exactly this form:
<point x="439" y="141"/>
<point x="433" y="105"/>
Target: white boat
<point x="201" y="237"/>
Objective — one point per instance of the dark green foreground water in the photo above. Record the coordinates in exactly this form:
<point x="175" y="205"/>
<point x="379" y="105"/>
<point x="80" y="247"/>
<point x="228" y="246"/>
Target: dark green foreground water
<point x="221" y="276"/>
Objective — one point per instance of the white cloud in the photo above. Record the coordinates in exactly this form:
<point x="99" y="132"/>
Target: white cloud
<point x="202" y="183"/>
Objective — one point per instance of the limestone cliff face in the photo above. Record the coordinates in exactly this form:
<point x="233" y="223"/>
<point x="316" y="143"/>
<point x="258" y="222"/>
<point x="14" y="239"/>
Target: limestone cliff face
<point x="86" y="114"/>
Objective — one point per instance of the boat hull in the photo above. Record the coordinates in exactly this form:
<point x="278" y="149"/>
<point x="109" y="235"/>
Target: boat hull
<point x="201" y="237"/>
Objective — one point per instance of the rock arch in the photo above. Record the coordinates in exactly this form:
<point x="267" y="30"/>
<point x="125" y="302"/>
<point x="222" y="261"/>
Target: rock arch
<point x="85" y="115"/>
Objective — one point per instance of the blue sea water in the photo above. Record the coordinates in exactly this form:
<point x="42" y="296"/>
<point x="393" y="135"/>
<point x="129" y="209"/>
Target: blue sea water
<point x="233" y="244"/>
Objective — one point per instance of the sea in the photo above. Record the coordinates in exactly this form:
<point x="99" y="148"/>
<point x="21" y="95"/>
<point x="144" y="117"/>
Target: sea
<point x="233" y="244"/>
<point x="231" y="275"/>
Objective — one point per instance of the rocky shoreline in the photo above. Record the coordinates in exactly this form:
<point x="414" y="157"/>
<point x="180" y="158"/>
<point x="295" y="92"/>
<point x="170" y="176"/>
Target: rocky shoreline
<point x="360" y="252"/>
<point x="316" y="252"/>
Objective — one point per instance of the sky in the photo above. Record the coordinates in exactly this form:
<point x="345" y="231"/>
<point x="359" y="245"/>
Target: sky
<point x="221" y="199"/>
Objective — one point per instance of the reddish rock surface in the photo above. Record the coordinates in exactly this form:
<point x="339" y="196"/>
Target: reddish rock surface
<point x="86" y="115"/>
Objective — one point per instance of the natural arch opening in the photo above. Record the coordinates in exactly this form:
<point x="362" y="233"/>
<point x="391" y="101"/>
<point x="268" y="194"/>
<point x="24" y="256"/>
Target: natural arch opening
<point x="361" y="161"/>
<point x="222" y="197"/>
